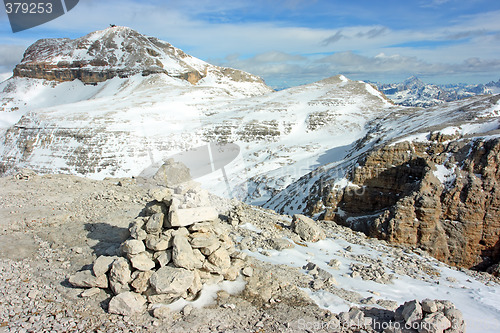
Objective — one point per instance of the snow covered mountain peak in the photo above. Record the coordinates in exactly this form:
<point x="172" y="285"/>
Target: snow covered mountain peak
<point x="117" y="51"/>
<point x="415" y="92"/>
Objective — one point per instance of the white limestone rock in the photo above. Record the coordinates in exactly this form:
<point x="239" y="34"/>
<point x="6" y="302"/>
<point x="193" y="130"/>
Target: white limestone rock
<point x="127" y="304"/>
<point x="172" y="281"/>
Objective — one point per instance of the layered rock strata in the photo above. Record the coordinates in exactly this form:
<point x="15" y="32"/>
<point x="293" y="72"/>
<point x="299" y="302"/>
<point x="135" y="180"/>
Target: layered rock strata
<point x="115" y="52"/>
<point x="441" y="195"/>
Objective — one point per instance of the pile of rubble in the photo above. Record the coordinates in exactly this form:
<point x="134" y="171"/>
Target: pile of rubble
<point x="173" y="251"/>
<point x="427" y="316"/>
<point x="374" y="272"/>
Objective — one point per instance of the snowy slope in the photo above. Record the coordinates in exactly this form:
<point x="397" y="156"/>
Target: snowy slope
<point x="129" y="126"/>
<point x="431" y="279"/>
<point x="478" y="116"/>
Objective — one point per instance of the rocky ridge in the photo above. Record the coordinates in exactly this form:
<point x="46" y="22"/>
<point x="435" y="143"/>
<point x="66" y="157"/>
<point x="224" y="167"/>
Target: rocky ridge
<point x="158" y="116"/>
<point x="428" y="183"/>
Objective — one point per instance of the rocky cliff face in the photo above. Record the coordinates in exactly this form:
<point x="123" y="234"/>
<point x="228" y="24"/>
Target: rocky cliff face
<point x="114" y="52"/>
<point x="428" y="179"/>
<point x="442" y="197"/>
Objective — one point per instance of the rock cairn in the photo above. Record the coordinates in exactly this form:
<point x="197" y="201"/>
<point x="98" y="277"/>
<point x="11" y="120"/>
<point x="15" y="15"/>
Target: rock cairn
<point x="173" y="251"/>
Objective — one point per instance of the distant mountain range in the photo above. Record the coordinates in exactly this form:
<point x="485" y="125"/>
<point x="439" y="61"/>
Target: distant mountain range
<point x="414" y="92"/>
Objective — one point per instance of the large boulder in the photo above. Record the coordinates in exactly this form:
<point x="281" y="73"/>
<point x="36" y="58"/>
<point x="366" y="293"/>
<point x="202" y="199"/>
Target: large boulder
<point x="307" y="228"/>
<point x="172" y="173"/>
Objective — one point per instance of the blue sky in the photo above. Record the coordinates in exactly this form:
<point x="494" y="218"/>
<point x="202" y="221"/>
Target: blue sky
<point x="291" y="42"/>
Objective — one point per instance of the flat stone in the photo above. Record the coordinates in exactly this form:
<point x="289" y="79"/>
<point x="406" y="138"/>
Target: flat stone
<point x="203" y="227"/>
<point x="102" y="265"/>
<point x="172" y="281"/>
<point x="90" y="292"/>
<point x="127" y="303"/>
<point x="142" y="261"/>
<point x="86" y="279"/>
<point x="202" y="239"/>
<point x="189" y="216"/>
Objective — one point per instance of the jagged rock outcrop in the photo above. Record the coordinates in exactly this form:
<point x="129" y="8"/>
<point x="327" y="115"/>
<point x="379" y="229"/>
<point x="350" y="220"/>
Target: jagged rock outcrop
<point x="442" y="196"/>
<point x="115" y="52"/>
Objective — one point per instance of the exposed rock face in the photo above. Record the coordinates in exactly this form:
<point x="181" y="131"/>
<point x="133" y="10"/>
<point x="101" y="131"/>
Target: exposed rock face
<point x="442" y="196"/>
<point x="114" y="52"/>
